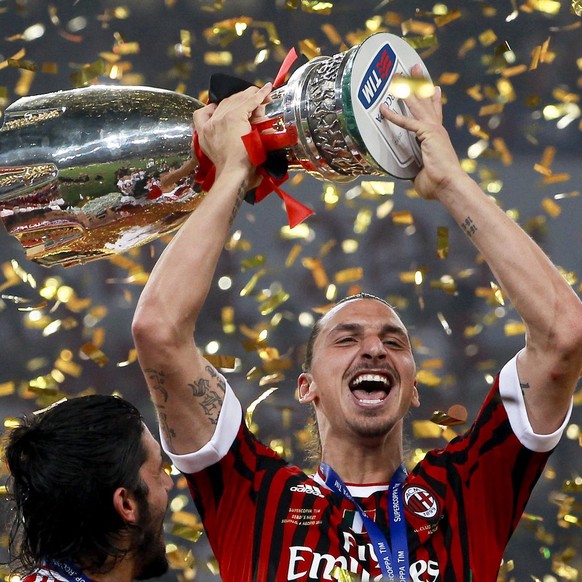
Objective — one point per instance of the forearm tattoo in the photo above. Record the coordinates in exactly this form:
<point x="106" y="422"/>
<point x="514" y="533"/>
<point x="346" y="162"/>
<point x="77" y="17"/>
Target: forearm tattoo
<point x="210" y="394"/>
<point x="239" y="199"/>
<point x="469" y="227"/>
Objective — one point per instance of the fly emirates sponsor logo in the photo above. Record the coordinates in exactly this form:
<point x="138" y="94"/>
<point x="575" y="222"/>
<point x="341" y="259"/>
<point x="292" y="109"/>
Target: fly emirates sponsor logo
<point x="307" y="564"/>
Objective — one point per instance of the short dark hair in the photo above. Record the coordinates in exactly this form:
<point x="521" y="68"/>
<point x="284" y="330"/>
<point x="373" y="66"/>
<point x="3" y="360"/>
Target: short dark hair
<point x="318" y="324"/>
<point x="65" y="464"/>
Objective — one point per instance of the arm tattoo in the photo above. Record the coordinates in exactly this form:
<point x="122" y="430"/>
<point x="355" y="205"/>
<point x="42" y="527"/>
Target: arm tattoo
<point x="469" y="227"/>
<point x="239" y="199"/>
<point x="524" y="386"/>
<point x="169" y="432"/>
<point x="157" y="379"/>
<point x="199" y="387"/>
<point x="210" y="399"/>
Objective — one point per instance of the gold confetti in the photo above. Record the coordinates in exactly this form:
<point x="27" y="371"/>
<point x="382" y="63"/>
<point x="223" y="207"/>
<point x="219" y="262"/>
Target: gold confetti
<point x="221" y="361"/>
<point x="422" y="42"/>
<point x="425" y="429"/>
<point x="131" y="358"/>
<point x="488" y="37"/>
<point x="126" y="48"/>
<point x="443" y="20"/>
<point x="417" y="27"/>
<point x="501" y="148"/>
<point x="442" y="250"/>
<point x="252" y="262"/>
<point x="253" y="405"/>
<point x="248" y="288"/>
<point x="94" y="353"/>
<point x="551" y="207"/>
<point x="316" y="7"/>
<point x="7" y="388"/>
<point x="342" y="575"/>
<point x="374" y="188"/>
<point x="546" y="6"/>
<point x="22" y="64"/>
<point x="455" y="415"/>
<point x="449" y="78"/>
<point x="218" y="58"/>
<point x="226" y="31"/>
<point x="186" y="532"/>
<point x="363" y="220"/>
<point x="332" y="33"/>
<point x="227" y="318"/>
<point x="309" y="48"/>
<point x="269" y="305"/>
<point x="402" y="217"/>
<point x="88" y="73"/>
<point x="514" y="328"/>
<point x="428" y="378"/>
<point x="348" y="275"/>
<point x="493" y="109"/>
<point x="292" y="256"/>
<point x="317" y="271"/>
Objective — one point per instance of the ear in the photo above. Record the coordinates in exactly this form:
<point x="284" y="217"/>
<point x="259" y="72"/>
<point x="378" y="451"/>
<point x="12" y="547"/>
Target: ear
<point x="415" y="399"/>
<point x="305" y="388"/>
<point x="126" y="505"/>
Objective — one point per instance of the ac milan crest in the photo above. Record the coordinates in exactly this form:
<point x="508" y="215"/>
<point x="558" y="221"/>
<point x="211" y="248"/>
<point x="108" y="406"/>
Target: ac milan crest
<point x="421" y="502"/>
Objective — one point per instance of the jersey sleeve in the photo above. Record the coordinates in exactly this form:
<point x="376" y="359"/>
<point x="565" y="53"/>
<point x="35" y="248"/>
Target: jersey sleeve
<point x="514" y="404"/>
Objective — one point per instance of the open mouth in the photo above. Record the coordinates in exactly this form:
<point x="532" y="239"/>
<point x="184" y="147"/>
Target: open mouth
<point x="371" y="388"/>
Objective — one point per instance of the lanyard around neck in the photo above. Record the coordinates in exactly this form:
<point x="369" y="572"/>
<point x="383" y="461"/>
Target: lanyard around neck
<point x="392" y="558"/>
<point x="67" y="569"/>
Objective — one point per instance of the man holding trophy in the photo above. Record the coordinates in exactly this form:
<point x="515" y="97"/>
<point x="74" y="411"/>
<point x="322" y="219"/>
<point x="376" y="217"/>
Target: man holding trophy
<point x="361" y="516"/>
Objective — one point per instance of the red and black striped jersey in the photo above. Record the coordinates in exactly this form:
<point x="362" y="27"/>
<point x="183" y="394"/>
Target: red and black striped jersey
<point x="268" y="521"/>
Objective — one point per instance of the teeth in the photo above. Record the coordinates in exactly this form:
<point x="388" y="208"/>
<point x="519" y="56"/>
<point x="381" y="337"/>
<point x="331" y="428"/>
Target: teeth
<point x="375" y="401"/>
<point x="369" y="378"/>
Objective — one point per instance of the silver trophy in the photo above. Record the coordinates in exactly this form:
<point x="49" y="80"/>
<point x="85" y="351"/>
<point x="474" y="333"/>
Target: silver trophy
<point x="89" y="172"/>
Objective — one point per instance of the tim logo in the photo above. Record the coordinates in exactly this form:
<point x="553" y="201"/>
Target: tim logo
<point x="376" y="76"/>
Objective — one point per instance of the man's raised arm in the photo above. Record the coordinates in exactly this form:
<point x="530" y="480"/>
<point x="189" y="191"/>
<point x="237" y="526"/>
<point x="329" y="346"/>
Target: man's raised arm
<point x="551" y="362"/>
<point x="186" y="390"/>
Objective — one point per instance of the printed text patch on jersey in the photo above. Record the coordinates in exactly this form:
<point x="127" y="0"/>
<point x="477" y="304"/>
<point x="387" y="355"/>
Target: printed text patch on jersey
<point x="377" y="76"/>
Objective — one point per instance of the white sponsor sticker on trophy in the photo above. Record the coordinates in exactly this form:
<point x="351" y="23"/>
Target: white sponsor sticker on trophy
<point x="377" y="61"/>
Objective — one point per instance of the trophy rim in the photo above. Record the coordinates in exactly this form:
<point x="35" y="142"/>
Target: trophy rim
<point x="407" y="57"/>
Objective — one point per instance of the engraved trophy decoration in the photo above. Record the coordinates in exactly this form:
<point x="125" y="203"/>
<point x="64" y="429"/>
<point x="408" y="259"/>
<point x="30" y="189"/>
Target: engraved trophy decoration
<point x="88" y="172"/>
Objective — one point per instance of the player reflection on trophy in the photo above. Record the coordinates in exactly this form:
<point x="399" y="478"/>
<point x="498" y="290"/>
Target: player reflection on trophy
<point x="88" y="172"/>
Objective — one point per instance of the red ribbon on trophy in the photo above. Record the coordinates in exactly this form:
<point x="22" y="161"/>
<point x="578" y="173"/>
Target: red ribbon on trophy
<point x="261" y="143"/>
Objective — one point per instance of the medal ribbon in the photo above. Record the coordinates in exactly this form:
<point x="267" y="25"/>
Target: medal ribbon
<point x="67" y="569"/>
<point x="392" y="558"/>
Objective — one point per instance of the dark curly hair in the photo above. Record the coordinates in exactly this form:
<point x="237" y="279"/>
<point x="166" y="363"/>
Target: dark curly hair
<point x="65" y="464"/>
